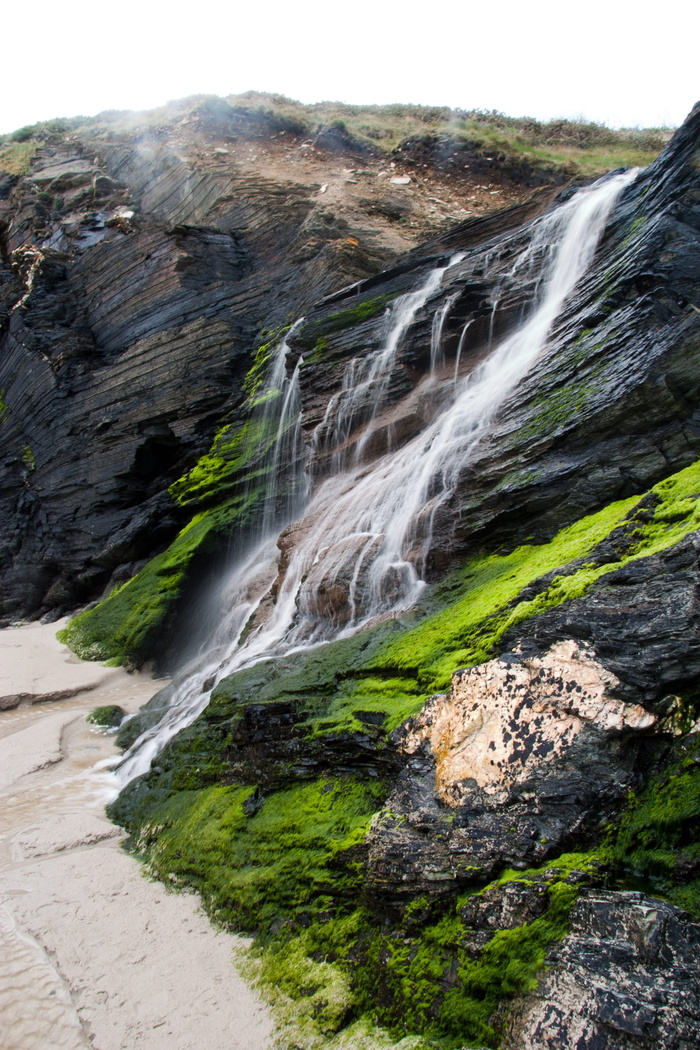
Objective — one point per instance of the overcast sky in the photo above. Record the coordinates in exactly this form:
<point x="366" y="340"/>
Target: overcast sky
<point x="615" y="61"/>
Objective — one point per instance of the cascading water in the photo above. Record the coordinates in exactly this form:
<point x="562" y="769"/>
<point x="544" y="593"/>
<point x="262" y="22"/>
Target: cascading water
<point x="277" y="409"/>
<point x="366" y="379"/>
<point x="361" y="542"/>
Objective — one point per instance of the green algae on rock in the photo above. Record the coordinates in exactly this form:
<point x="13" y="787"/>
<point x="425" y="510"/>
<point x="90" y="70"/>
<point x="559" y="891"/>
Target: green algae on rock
<point x="109" y="717"/>
<point x="126" y="626"/>
<point x="393" y="813"/>
<point x="334" y="950"/>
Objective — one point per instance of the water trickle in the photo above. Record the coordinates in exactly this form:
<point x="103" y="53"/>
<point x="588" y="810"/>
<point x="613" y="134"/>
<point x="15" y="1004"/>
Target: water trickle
<point x="437" y="355"/>
<point x="359" y="548"/>
<point x="277" y="410"/>
<point x="366" y="380"/>
<point x="460" y="347"/>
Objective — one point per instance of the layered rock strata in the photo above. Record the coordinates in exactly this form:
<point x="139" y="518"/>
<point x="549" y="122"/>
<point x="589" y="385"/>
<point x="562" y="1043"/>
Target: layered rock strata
<point x="139" y="272"/>
<point x="417" y="849"/>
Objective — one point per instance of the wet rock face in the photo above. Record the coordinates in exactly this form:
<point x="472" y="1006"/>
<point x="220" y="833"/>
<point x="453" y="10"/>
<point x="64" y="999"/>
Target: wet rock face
<point x="522" y="756"/>
<point x="625" y="978"/>
<point x="642" y="620"/>
<point x="132" y="288"/>
<point x="612" y="406"/>
<point x="137" y="270"/>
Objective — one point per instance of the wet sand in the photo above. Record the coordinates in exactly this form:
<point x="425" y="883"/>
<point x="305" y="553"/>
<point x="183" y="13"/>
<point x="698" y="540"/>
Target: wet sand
<point x="92" y="953"/>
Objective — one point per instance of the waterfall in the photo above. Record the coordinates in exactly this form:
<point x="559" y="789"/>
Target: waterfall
<point x="366" y="379"/>
<point x="362" y="537"/>
<point x="276" y="409"/>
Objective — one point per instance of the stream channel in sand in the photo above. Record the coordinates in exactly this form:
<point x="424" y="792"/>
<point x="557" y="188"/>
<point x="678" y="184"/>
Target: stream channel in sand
<point x="92" y="954"/>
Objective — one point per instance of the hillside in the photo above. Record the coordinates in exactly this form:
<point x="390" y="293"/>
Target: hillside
<point x="400" y="479"/>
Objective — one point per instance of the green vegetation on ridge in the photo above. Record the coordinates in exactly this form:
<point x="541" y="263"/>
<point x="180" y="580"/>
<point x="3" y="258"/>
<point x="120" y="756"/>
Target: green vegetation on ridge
<point x="580" y="147"/>
<point x="571" y="147"/>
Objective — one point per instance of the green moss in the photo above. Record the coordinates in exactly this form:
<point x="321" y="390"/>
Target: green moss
<point x="109" y="717"/>
<point x="233" y="475"/>
<point x="567" y="403"/>
<point x="508" y="966"/>
<point x="588" y="863"/>
<point x="255" y="866"/>
<point x="289" y="865"/>
<point x="286" y="861"/>
<point x="395" y="666"/>
<point x="315" y="334"/>
<point x="235" y="459"/>
<point x="407" y="976"/>
<point x="355" y="315"/>
<point x="468" y="631"/>
<point x="658" y="838"/>
<point x="126" y="625"/>
<point x="286" y="866"/>
<point x="261" y="361"/>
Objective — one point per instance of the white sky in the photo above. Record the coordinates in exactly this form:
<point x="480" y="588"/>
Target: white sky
<point x="621" y="62"/>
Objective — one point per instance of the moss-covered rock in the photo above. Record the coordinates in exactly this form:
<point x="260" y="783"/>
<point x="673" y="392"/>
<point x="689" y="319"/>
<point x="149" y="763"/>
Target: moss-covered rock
<point x="109" y="717"/>
<point x="656" y="844"/>
<point x="275" y="840"/>
<point x="126" y="626"/>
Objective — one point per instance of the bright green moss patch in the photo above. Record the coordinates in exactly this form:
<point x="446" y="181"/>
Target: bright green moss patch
<point x="355" y="315"/>
<point x="108" y="717"/>
<point x="286" y="860"/>
<point x="407" y="976"/>
<point x="235" y="459"/>
<point x="255" y="378"/>
<point x="256" y="864"/>
<point x="126" y="625"/>
<point x="394" y="667"/>
<point x="286" y="867"/>
<point x="587" y="863"/>
<point x="468" y="631"/>
<point x="314" y="335"/>
<point x="658" y="838"/>
<point x="411" y="986"/>
<point x="234" y="475"/>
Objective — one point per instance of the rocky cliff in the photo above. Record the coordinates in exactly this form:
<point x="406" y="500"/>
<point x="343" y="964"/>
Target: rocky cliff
<point x="143" y="262"/>
<point x="467" y="819"/>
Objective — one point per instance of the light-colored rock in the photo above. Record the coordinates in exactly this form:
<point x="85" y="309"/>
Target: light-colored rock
<point x="502" y="719"/>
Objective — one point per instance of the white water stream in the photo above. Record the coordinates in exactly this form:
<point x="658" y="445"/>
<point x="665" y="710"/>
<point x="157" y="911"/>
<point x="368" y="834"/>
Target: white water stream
<point x="358" y="547"/>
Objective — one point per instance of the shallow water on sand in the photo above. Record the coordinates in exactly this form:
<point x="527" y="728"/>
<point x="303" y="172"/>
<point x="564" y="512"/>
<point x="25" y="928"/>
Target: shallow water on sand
<point x="42" y="812"/>
<point x="91" y="953"/>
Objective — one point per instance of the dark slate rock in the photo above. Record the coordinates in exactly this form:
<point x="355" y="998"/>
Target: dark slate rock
<point x="625" y="978"/>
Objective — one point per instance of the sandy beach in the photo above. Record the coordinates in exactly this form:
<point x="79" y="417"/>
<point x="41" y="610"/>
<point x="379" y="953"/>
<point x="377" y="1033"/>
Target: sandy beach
<point x="93" y="954"/>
